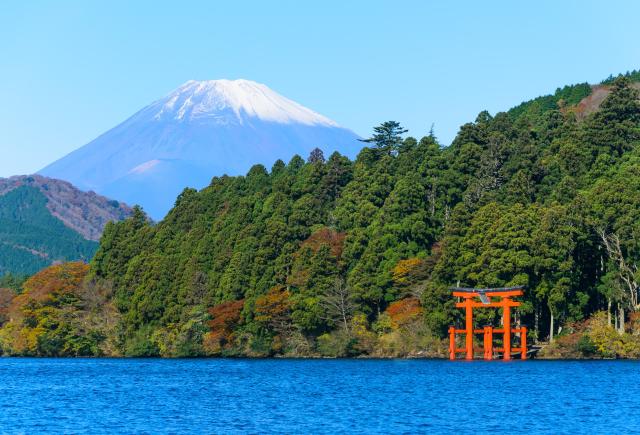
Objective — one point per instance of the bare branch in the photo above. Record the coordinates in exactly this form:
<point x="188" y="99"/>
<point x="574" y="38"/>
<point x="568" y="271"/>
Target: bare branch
<point x="626" y="272"/>
<point x="338" y="303"/>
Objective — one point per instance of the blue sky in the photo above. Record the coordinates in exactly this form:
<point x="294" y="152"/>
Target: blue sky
<point x="70" y="70"/>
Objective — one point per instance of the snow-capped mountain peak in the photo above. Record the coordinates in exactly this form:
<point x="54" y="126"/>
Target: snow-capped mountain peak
<point x="233" y="100"/>
<point x="201" y="130"/>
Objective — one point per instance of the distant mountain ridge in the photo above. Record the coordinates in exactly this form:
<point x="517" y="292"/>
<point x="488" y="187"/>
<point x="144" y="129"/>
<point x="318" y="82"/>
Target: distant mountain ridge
<point x="201" y="130"/>
<point x="44" y="221"/>
<point x="84" y="212"/>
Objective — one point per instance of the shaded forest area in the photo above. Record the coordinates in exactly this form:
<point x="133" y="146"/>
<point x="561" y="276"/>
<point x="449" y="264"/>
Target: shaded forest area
<point x="31" y="238"/>
<point x="332" y="257"/>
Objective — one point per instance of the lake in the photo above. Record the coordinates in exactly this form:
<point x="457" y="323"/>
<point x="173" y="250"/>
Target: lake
<point x="320" y="396"/>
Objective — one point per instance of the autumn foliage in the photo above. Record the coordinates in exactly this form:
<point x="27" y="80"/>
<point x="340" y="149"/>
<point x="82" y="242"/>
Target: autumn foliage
<point x="225" y="318"/>
<point x="273" y="309"/>
<point x="405" y="271"/>
<point x="325" y="237"/>
<point x="42" y="318"/>
<point x="61" y="278"/>
<point x="404" y="311"/>
<point x="48" y="284"/>
<point x="411" y="271"/>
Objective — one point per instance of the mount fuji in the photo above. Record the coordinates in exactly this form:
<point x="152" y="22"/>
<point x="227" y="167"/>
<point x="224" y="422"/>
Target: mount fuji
<point x="200" y="130"/>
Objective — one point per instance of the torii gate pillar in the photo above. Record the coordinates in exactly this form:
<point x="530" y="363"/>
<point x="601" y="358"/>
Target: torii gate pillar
<point x="468" y="327"/>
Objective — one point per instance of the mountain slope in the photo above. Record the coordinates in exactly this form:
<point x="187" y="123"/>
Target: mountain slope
<point x="43" y="221"/>
<point x="202" y="129"/>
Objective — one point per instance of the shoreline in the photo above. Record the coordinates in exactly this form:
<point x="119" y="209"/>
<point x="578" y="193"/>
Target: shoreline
<point x="310" y="358"/>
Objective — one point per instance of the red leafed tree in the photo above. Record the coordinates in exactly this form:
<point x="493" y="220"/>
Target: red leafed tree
<point x="225" y="318"/>
<point x="404" y="311"/>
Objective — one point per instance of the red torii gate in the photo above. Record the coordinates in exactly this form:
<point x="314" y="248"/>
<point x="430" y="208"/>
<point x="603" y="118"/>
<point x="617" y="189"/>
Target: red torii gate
<point x="484" y="295"/>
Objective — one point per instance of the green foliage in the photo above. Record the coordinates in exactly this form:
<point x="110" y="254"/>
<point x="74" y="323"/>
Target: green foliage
<point x="586" y="346"/>
<point x="13" y="282"/>
<point x="634" y="76"/>
<point x="535" y="109"/>
<point x="387" y="137"/>
<point x="338" y="344"/>
<point x="141" y="344"/>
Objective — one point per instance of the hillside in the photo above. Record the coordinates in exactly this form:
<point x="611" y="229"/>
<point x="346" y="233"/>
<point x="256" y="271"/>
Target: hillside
<point x="43" y="221"/>
<point x="582" y="99"/>
<point x="592" y="103"/>
<point x="200" y="130"/>
<point x="336" y="257"/>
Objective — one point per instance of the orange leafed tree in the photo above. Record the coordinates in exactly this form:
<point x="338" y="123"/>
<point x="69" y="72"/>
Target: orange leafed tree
<point x="225" y="318"/>
<point x="41" y="292"/>
<point x="273" y="309"/>
<point x="61" y="278"/>
<point x="404" y="311"/>
<point x="44" y="285"/>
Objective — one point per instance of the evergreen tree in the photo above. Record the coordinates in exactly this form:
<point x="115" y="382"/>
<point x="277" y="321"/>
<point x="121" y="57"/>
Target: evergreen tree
<point x="387" y="137"/>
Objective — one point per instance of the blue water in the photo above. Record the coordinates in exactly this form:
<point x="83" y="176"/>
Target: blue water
<point x="320" y="396"/>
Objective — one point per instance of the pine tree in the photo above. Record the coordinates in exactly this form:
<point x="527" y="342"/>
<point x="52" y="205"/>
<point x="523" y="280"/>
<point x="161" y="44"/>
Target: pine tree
<point x="387" y="137"/>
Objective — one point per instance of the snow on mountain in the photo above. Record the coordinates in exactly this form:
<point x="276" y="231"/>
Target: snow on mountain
<point x="200" y="130"/>
<point x="209" y="99"/>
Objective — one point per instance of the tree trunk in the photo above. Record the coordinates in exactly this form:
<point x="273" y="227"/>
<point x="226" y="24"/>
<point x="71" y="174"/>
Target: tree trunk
<point x="551" y="327"/>
<point x="626" y="272"/>
<point x="344" y="319"/>
<point x="432" y="199"/>
<point x="621" y="321"/>
<point x="536" y="321"/>
<point x="609" y="311"/>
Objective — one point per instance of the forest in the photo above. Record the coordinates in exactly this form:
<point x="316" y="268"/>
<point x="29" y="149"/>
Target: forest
<point x="325" y="256"/>
<point x="31" y="238"/>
